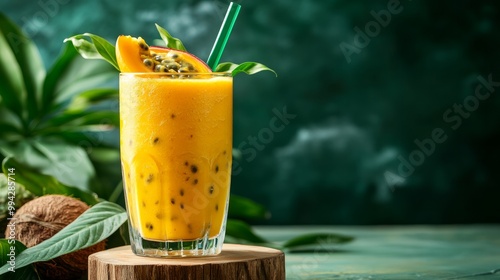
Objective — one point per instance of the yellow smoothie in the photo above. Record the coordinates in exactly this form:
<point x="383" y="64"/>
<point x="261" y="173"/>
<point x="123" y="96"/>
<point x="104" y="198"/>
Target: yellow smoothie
<point x="176" y="142"/>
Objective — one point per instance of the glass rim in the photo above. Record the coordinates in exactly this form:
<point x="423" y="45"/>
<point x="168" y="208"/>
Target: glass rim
<point x="163" y="74"/>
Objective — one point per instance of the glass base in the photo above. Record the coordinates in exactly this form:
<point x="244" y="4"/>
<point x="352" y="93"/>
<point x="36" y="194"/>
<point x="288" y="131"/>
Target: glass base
<point x="176" y="248"/>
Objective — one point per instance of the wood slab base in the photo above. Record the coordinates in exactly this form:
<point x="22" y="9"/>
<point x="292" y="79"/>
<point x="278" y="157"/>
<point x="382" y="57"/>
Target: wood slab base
<point x="240" y="262"/>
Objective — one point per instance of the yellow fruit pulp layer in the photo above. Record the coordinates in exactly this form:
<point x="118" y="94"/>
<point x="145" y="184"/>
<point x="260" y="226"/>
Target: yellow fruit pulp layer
<point x="176" y="142"/>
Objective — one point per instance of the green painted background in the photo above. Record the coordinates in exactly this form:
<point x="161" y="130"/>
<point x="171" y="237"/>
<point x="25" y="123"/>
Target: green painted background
<point x="384" y="111"/>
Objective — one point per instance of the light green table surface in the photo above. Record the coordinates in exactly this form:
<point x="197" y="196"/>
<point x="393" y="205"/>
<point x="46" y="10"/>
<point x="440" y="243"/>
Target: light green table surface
<point x="396" y="252"/>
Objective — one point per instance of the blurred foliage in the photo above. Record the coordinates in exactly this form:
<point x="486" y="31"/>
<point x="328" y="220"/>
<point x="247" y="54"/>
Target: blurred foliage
<point x="47" y="117"/>
<point x="354" y="120"/>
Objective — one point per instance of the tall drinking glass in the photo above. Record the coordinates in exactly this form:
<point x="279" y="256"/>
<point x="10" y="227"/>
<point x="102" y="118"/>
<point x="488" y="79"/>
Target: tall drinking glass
<point x="175" y="147"/>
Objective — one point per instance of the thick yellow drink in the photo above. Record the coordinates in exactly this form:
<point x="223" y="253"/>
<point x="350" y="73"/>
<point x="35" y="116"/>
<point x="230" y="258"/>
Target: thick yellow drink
<point x="176" y="142"/>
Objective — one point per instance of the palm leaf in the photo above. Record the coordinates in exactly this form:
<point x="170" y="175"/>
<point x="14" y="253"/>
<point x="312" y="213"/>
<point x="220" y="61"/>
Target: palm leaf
<point x="12" y="91"/>
<point x="52" y="79"/>
<point x="30" y="64"/>
<point x="70" y="76"/>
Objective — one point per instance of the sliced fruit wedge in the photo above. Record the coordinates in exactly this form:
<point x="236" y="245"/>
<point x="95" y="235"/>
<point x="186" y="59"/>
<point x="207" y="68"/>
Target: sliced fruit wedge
<point x="134" y="55"/>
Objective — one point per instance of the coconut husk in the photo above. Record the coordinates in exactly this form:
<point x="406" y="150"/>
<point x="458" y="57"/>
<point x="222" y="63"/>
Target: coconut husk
<point x="41" y="218"/>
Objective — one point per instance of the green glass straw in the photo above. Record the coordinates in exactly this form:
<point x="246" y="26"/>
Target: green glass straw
<point x="223" y="36"/>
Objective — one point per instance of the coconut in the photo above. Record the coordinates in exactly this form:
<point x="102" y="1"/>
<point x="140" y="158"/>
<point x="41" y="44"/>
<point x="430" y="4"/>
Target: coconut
<point x="41" y="218"/>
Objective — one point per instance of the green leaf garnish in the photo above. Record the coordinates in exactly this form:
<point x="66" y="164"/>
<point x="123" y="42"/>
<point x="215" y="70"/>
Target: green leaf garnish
<point x="249" y="68"/>
<point x="97" y="48"/>
<point x="170" y="41"/>
<point x="93" y="226"/>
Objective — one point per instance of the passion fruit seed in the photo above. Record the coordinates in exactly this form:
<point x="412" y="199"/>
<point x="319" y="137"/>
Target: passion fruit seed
<point x="194" y="168"/>
<point x="173" y="65"/>
<point x="173" y="56"/>
<point x="169" y="63"/>
<point x="150" y="178"/>
<point x="148" y="62"/>
<point x="160" y="68"/>
<point x="143" y="45"/>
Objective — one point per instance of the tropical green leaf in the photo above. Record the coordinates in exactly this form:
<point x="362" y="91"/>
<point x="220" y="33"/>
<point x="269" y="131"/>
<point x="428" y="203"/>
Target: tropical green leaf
<point x="106" y="161"/>
<point x="84" y="138"/>
<point x="97" y="48"/>
<point x="52" y="80"/>
<point x="29" y="62"/>
<point x="70" y="76"/>
<point x="170" y="41"/>
<point x="242" y="231"/>
<point x="12" y="89"/>
<point x="117" y="239"/>
<point x="68" y="163"/>
<point x="40" y="184"/>
<point x="80" y="77"/>
<point x="92" y="97"/>
<point x="8" y="128"/>
<point x="85" y="118"/>
<point x="93" y="226"/>
<point x="105" y="48"/>
<point x="25" y="273"/>
<point x="315" y="239"/>
<point x="116" y="193"/>
<point x="7" y="184"/>
<point x="244" y="208"/>
<point x="249" y="68"/>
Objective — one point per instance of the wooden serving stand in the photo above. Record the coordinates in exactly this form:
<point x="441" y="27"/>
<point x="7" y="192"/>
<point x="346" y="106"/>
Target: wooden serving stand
<point x="235" y="262"/>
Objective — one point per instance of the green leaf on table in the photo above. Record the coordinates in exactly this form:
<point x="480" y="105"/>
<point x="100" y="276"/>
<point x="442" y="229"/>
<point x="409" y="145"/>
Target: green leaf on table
<point x="171" y="42"/>
<point x="97" y="48"/>
<point x="244" y="208"/>
<point x="315" y="239"/>
<point x="242" y="231"/>
<point x="93" y="226"/>
<point x="249" y="68"/>
<point x="40" y="184"/>
<point x="24" y="273"/>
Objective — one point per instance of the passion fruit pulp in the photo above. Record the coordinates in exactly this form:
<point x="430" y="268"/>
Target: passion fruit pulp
<point x="134" y="55"/>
